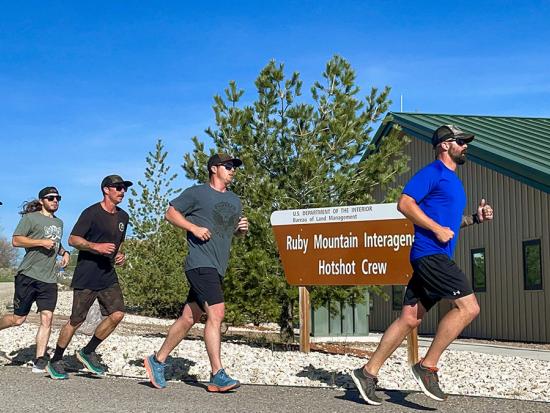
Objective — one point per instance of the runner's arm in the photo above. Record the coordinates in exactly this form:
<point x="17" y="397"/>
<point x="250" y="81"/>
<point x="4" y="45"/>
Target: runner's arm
<point x="408" y="207"/>
<point x="81" y="244"/>
<point x="62" y="251"/>
<point x="176" y="218"/>
<point x="484" y="213"/>
<point x="25" y="242"/>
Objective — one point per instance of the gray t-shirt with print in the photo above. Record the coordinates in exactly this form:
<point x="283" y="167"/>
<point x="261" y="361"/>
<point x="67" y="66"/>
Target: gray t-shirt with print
<point x="219" y="212"/>
<point x="39" y="262"/>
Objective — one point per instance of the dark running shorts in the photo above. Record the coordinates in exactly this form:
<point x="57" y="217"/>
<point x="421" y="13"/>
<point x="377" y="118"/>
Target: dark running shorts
<point x="205" y="286"/>
<point x="28" y="290"/>
<point x="435" y="277"/>
<point x="110" y="300"/>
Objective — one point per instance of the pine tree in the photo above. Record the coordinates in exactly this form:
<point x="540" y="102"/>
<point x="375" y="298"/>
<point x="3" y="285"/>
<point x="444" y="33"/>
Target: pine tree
<point x="152" y="277"/>
<point x="296" y="154"/>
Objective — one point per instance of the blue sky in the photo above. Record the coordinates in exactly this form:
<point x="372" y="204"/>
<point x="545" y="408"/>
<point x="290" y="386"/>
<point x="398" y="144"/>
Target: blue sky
<point x="87" y="88"/>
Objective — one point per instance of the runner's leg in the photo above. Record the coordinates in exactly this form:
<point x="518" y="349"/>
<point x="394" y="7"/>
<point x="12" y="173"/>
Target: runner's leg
<point x="410" y="318"/>
<point x="190" y="314"/>
<point x="44" y="331"/>
<point x="11" y="320"/>
<point x="449" y="328"/>
<point x="212" y="334"/>
<point x="108" y="325"/>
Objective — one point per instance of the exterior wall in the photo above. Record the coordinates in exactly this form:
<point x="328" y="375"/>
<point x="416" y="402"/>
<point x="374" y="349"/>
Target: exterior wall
<point x="508" y="311"/>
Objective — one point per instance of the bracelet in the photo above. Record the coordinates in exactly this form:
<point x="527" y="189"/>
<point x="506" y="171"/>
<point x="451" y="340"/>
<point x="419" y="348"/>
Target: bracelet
<point x="66" y="252"/>
<point x="475" y="218"/>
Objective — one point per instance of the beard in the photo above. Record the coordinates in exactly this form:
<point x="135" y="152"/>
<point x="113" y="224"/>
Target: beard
<point x="458" y="157"/>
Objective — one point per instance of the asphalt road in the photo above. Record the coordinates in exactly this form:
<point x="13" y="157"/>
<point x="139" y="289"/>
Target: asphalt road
<point x="23" y="391"/>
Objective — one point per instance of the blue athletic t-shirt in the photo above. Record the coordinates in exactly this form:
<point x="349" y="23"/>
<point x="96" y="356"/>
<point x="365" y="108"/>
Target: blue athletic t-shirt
<point x="440" y="195"/>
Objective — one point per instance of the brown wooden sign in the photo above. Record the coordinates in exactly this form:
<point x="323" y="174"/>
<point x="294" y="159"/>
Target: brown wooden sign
<point x="350" y="245"/>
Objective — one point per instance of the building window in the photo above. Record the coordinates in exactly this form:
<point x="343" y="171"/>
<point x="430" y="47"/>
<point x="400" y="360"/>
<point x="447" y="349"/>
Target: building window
<point x="532" y="265"/>
<point x="479" y="275"/>
<point x="397" y="297"/>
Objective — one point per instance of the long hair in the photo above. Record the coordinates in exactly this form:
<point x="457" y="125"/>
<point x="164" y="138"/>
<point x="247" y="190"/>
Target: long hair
<point x="31" y="206"/>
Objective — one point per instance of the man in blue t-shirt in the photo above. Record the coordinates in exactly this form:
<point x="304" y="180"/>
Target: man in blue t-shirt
<point x="434" y="200"/>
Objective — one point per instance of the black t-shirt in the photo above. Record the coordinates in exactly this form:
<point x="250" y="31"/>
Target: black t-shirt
<point x="94" y="271"/>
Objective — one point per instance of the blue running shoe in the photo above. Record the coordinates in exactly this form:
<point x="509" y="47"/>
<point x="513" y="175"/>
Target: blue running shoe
<point x="155" y="371"/>
<point x="221" y="382"/>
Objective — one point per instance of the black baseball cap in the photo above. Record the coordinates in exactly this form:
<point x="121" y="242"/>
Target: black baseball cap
<point x="49" y="190"/>
<point x="447" y="132"/>
<point x="220" y="158"/>
<point x="112" y="180"/>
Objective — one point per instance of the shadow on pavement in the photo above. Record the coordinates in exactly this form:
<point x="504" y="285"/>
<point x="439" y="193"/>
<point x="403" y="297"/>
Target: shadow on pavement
<point x="400" y="398"/>
<point x="176" y="368"/>
<point x="23" y="356"/>
<point x="331" y="378"/>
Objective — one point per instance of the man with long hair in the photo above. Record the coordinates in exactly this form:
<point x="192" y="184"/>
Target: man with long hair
<point x="211" y="214"/>
<point x="98" y="235"/>
<point x="39" y="231"/>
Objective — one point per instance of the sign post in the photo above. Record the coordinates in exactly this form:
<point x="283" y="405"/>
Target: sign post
<point x="305" y="311"/>
<point x="348" y="245"/>
<point x="412" y="347"/>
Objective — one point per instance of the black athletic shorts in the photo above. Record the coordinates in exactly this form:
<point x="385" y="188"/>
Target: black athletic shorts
<point x="28" y="290"/>
<point x="435" y="277"/>
<point x="110" y="300"/>
<point x="205" y="286"/>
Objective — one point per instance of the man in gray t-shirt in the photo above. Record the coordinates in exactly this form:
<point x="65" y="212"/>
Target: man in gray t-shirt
<point x="39" y="231"/>
<point x="211" y="214"/>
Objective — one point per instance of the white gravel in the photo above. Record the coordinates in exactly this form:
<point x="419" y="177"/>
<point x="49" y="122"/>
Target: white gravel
<point x="461" y="372"/>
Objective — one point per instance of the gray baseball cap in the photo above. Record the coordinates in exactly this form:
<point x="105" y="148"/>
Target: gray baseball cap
<point x="446" y="132"/>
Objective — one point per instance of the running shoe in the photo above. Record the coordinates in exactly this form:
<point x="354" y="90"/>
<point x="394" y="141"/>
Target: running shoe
<point x="367" y="386"/>
<point x="91" y="362"/>
<point x="155" y="371"/>
<point x="427" y="379"/>
<point x="56" y="370"/>
<point x="39" y="364"/>
<point x="222" y="382"/>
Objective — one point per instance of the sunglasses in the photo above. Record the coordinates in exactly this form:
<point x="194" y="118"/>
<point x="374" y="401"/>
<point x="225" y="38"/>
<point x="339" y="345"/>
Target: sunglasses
<point x="228" y="166"/>
<point x="51" y="198"/>
<point x="459" y="141"/>
<point x="119" y="188"/>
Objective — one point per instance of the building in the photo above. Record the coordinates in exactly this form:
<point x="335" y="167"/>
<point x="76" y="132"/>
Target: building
<point x="508" y="260"/>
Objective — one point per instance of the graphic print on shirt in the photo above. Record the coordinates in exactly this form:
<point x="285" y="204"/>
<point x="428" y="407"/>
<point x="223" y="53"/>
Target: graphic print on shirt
<point x="225" y="218"/>
<point x="53" y="232"/>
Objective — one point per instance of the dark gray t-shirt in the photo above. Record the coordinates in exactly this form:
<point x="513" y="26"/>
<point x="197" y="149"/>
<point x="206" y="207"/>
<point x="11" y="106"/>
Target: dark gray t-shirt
<point x="38" y="262"/>
<point x="219" y="212"/>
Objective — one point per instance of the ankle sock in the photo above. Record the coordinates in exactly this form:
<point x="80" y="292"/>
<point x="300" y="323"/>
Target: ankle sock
<point x="58" y="355"/>
<point x="92" y="345"/>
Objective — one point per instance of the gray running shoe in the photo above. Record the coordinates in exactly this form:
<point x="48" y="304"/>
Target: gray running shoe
<point x="56" y="370"/>
<point x="427" y="379"/>
<point x="366" y="386"/>
<point x="39" y="365"/>
<point x="91" y="362"/>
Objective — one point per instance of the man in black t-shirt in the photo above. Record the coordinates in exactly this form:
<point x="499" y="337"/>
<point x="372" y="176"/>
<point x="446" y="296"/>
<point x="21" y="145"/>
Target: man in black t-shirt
<point x="98" y="235"/>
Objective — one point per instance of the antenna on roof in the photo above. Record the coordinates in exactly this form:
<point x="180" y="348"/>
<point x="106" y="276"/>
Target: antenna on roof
<point x="401" y="102"/>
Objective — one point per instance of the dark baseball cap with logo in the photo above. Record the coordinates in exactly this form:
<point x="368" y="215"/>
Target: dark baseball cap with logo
<point x="446" y="132"/>
<point x="221" y="158"/>
<point x="113" y="180"/>
<point x="49" y="190"/>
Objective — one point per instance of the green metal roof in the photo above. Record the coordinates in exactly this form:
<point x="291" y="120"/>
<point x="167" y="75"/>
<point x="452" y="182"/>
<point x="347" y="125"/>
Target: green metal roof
<point x="517" y="147"/>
